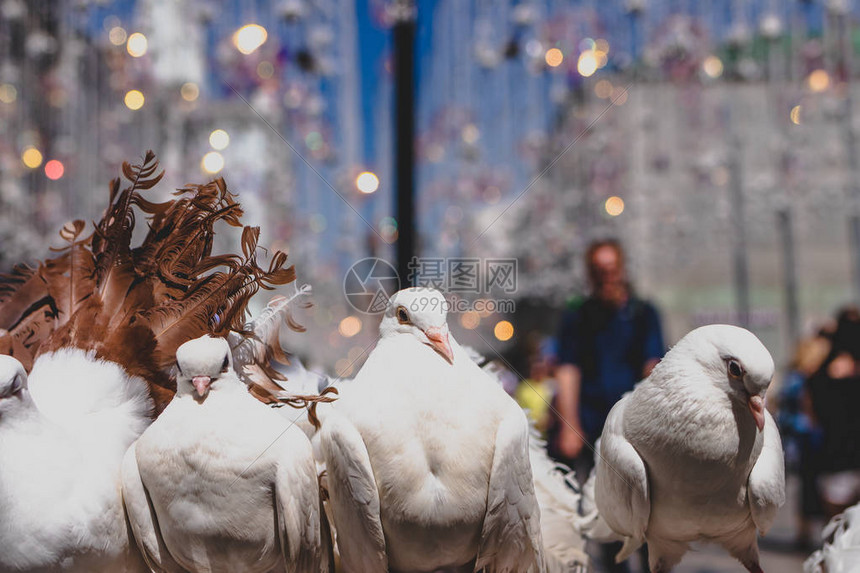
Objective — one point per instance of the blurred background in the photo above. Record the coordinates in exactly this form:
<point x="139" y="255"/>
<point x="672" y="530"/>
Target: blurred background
<point x="716" y="140"/>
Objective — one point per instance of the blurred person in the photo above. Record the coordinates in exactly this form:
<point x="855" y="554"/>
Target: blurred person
<point x="606" y="344"/>
<point x="801" y="437"/>
<point x="834" y="394"/>
<point x="536" y="393"/>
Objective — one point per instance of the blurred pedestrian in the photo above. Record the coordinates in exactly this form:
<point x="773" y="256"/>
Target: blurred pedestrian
<point x="801" y="437"/>
<point x="834" y="392"/>
<point x="536" y="393"/>
<point x="606" y="344"/>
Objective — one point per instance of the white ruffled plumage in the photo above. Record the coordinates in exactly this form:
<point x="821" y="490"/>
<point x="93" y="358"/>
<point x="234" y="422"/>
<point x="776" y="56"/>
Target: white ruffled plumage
<point x="63" y="433"/>
<point x="427" y="458"/>
<point x="220" y="481"/>
<point x="841" y="550"/>
<point x="691" y="454"/>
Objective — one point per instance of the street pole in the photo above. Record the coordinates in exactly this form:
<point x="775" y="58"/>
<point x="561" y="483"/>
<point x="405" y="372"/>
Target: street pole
<point x="739" y="231"/>
<point x="404" y="135"/>
<point x="784" y="211"/>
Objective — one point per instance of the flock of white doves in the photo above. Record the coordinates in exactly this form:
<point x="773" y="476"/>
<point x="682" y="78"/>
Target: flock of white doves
<point x="421" y="464"/>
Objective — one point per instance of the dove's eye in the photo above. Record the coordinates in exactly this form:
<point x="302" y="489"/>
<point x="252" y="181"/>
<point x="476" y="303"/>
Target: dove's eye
<point x="402" y="315"/>
<point x="735" y="369"/>
<point x="225" y="365"/>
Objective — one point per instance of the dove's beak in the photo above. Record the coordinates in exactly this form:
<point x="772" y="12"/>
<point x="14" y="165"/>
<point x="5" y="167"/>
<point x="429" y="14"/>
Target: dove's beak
<point x="201" y="384"/>
<point x="756" y="404"/>
<point x="438" y="337"/>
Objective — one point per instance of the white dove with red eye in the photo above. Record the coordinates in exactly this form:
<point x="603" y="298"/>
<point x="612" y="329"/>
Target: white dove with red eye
<point x="691" y="454"/>
<point x="220" y="481"/>
<point x="427" y="457"/>
<point x="63" y="433"/>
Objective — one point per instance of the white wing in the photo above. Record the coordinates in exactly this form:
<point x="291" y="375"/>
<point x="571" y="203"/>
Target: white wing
<point x="511" y="536"/>
<point x="621" y="487"/>
<point x="354" y="498"/>
<point x="298" y="504"/>
<point x="141" y="517"/>
<point x="766" y="483"/>
<point x="596" y="527"/>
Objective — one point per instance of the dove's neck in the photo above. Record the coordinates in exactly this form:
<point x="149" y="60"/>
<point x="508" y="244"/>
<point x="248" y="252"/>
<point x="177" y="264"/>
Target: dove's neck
<point x="20" y="414"/>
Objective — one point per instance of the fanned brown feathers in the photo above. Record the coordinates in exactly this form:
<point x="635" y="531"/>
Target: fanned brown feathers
<point x="135" y="306"/>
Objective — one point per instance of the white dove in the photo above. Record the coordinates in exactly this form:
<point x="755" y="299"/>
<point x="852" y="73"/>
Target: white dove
<point x="63" y="434"/>
<point x="841" y="551"/>
<point x="220" y="481"/>
<point x="691" y="454"/>
<point x="427" y="457"/>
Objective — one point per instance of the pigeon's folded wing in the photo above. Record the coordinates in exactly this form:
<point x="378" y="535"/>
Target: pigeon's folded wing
<point x="141" y="517"/>
<point x="511" y="537"/>
<point x="621" y="488"/>
<point x="297" y="503"/>
<point x="355" y="503"/>
<point x="766" y="489"/>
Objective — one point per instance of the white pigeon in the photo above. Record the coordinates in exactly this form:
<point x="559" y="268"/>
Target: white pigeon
<point x="841" y="550"/>
<point x="564" y="524"/>
<point x="220" y="481"/>
<point x="427" y="457"/>
<point x="692" y="454"/>
<point x="63" y="434"/>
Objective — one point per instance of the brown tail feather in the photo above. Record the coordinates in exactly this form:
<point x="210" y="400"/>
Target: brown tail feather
<point x="136" y="305"/>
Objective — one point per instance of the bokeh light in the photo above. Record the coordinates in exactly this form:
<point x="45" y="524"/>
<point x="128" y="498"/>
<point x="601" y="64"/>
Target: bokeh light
<point x="8" y="93"/>
<point x="343" y="367"/>
<point x="554" y="57"/>
<point x="614" y="206"/>
<point x="587" y="64"/>
<point x="117" y="35"/>
<point x="189" y="91"/>
<point x="32" y="157"/>
<point x="134" y="99"/>
<point x="503" y="330"/>
<point x="137" y="45"/>
<point x="249" y="37"/>
<point x="265" y="70"/>
<point x="349" y="326"/>
<point x="618" y="96"/>
<point x="470" y="133"/>
<point x="367" y="182"/>
<point x="212" y="162"/>
<point x="713" y="67"/>
<point x="819" y="80"/>
<point x="219" y="139"/>
<point x="603" y="89"/>
<point x="470" y="320"/>
<point x="54" y="169"/>
<point x="795" y="114"/>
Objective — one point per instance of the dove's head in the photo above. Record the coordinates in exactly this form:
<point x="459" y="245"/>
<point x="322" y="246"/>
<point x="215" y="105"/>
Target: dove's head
<point x="735" y="361"/>
<point x="13" y="386"/>
<point x="201" y="364"/>
<point x="421" y="312"/>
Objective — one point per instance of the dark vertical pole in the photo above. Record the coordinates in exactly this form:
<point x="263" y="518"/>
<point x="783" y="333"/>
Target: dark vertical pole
<point x="789" y="265"/>
<point x="404" y="135"/>
<point x="739" y="246"/>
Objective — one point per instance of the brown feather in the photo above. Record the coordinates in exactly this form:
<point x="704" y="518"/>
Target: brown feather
<point x="136" y="306"/>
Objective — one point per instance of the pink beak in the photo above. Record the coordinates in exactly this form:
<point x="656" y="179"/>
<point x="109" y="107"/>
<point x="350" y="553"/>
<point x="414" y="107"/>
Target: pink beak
<point x="438" y="336"/>
<point x="201" y="384"/>
<point x="756" y="404"/>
